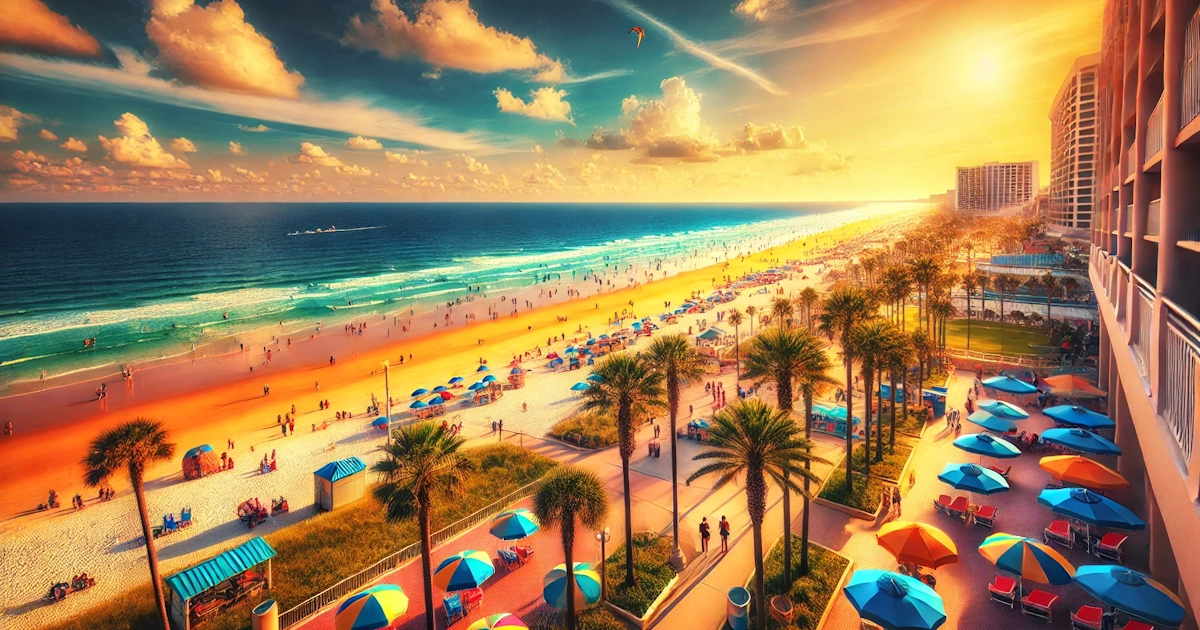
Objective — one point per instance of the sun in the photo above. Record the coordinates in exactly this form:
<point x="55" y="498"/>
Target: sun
<point x="985" y="68"/>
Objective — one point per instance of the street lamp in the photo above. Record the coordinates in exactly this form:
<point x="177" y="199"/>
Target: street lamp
<point x="602" y="537"/>
<point x="387" y="399"/>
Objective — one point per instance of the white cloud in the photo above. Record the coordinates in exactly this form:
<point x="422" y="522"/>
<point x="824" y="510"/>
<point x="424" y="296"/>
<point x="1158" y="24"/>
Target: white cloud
<point x="236" y="148"/>
<point x="251" y="176"/>
<point x="259" y="128"/>
<point x="136" y="147"/>
<point x="475" y="166"/>
<point x="353" y="170"/>
<point x="359" y="142"/>
<point x="313" y="154"/>
<point x="405" y="157"/>
<point x="537" y="148"/>
<point x="11" y="121"/>
<point x="27" y="156"/>
<point x="545" y="103"/>
<point x="183" y="145"/>
<point x="214" y="47"/>
<point x="31" y="25"/>
<point x="48" y="135"/>
<point x="74" y="145"/>
<point x="763" y="10"/>
<point x="543" y="176"/>
<point x="215" y="176"/>
<point x="771" y="137"/>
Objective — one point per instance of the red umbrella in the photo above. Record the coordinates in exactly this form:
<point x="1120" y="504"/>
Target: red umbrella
<point x="446" y="395"/>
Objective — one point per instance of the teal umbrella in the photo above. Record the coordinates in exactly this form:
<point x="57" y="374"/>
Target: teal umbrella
<point x="1132" y="592"/>
<point x="476" y="385"/>
<point x="587" y="586"/>
<point x="579" y="387"/>
<point x="972" y="478"/>
<point x="489" y="379"/>
<point x="417" y="404"/>
<point x="894" y="601"/>
<point x="514" y="524"/>
<point x="595" y="378"/>
<point x="482" y="368"/>
<point x="1084" y="505"/>
<point x="420" y="392"/>
<point x="1081" y="440"/>
<point x="1002" y="409"/>
<point x="1078" y="416"/>
<point x="992" y="423"/>
<point x="1009" y="385"/>
<point x="987" y="445"/>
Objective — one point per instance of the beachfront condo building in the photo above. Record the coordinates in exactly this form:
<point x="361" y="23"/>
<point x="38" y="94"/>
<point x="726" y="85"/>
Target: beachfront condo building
<point x="1145" y="263"/>
<point x="996" y="186"/>
<point x="1072" y="149"/>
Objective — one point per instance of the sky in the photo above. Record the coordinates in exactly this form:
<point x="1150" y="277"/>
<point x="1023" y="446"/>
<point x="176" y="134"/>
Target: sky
<point x="525" y="100"/>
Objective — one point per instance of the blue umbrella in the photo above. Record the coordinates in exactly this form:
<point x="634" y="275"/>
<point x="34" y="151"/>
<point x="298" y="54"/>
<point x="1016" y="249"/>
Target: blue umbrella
<point x="476" y="385"/>
<point x="420" y="392"/>
<point x="984" y="444"/>
<point x="591" y="342"/>
<point x="437" y="401"/>
<point x="701" y="424"/>
<point x="515" y="370"/>
<point x="488" y="379"/>
<point x="1009" y="385"/>
<point x="571" y="349"/>
<point x="454" y="380"/>
<point x="595" y="378"/>
<point x="482" y="368"/>
<point x="417" y="404"/>
<point x="579" y="387"/>
<point x="1081" y="440"/>
<point x="894" y="601"/>
<point x="992" y="423"/>
<point x="381" y="421"/>
<point x="1080" y="417"/>
<point x="1084" y="505"/>
<point x="1002" y="409"/>
<point x="972" y="478"/>
<point x="439" y="389"/>
<point x="1132" y="592"/>
<point x="604" y="336"/>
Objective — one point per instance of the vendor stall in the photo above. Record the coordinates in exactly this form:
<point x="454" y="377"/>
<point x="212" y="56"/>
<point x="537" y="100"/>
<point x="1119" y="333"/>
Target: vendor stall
<point x="516" y="378"/>
<point x="339" y="483"/>
<point x="206" y="589"/>
<point x="200" y="461"/>
<point x="831" y="419"/>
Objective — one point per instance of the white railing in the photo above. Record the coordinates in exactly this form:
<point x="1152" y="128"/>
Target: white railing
<point x="1118" y="296"/>
<point x="1154" y="218"/>
<point x="1189" y="101"/>
<point x="1179" y="377"/>
<point x="314" y="604"/>
<point x="1131" y="161"/>
<point x="1144" y="303"/>
<point x="1128" y="219"/>
<point x="1154" y="131"/>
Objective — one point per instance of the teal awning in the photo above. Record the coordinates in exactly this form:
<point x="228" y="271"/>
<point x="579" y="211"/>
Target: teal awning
<point x="709" y="335"/>
<point x="191" y="582"/>
<point x="341" y="469"/>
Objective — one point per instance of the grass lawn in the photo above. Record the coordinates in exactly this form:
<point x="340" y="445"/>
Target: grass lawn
<point x="595" y="618"/>
<point x="810" y="593"/>
<point x="587" y="429"/>
<point x="997" y="337"/>
<point x="651" y="571"/>
<point x="893" y="462"/>
<point x="318" y="552"/>
<point x="863" y="497"/>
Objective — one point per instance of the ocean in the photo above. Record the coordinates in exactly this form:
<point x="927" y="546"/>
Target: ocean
<point x="146" y="281"/>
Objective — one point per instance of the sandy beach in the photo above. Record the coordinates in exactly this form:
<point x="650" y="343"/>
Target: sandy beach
<point x="218" y="398"/>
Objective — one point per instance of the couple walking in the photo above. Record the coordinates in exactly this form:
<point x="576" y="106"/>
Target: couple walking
<point x="706" y="533"/>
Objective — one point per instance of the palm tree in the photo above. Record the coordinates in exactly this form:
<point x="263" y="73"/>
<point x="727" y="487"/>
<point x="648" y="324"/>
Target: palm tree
<point x="922" y="347"/>
<point x="811" y="378"/>
<point x="782" y="310"/>
<point x="780" y="355"/>
<point x="569" y="496"/>
<point x="754" y="439"/>
<point x="984" y="281"/>
<point x="843" y="308"/>
<point x="422" y="464"/>
<point x="871" y="339"/>
<point x="628" y="384"/>
<point x="970" y="283"/>
<point x="897" y="284"/>
<point x="897" y="359"/>
<point x="808" y="300"/>
<point x="133" y="446"/>
<point x="677" y="361"/>
<point x="1050" y="283"/>
<point x="735" y="320"/>
<point x="924" y="270"/>
<point x="750" y="311"/>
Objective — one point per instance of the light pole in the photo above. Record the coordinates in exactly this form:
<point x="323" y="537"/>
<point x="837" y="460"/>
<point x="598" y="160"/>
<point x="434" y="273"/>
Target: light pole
<point x="603" y="537"/>
<point x="387" y="399"/>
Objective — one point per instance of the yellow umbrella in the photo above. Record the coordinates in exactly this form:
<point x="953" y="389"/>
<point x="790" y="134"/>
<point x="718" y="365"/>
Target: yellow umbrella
<point x="917" y="543"/>
<point x="1086" y="472"/>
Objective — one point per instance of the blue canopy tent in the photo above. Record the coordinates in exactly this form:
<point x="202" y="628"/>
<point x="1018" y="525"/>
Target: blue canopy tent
<point x="339" y="483"/>
<point x="831" y="419"/>
<point x="482" y="368"/>
<point x="191" y="583"/>
<point x="1081" y="440"/>
<point x="1079" y="417"/>
<point x="1009" y="385"/>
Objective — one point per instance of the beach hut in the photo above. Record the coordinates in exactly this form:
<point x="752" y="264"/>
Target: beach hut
<point x="338" y="483"/>
<point x="200" y="461"/>
<point x="208" y="588"/>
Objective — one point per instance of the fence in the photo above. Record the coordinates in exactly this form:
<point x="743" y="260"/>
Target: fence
<point x="1028" y="260"/>
<point x="1154" y="131"/>
<point x="312" y="605"/>
<point x="1189" y="105"/>
<point x="1144" y="303"/>
<point x="1179" y="386"/>
<point x="1023" y="360"/>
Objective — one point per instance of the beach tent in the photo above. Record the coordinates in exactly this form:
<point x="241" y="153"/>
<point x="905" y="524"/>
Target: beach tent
<point x="709" y="335"/>
<point x="241" y="572"/>
<point x="338" y="483"/>
<point x="200" y="461"/>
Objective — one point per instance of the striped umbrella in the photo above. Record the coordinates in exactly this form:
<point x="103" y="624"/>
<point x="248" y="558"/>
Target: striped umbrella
<point x="371" y="608"/>
<point x="587" y="586"/>
<point x="501" y="621"/>
<point x="1080" y="470"/>
<point x="917" y="543"/>
<point x="514" y="524"/>
<point x="463" y="570"/>
<point x="1027" y="558"/>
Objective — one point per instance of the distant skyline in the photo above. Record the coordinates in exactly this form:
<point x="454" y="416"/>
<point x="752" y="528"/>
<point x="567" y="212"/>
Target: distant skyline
<point x="445" y="100"/>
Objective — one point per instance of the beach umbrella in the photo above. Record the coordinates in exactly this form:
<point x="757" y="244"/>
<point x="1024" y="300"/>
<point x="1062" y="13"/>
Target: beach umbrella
<point x="973" y="479"/>
<point x="455" y="380"/>
<point x="595" y="378"/>
<point x="587" y="586"/>
<point x="1027" y="558"/>
<point x="917" y="543"/>
<point x="591" y="342"/>
<point x="489" y="379"/>
<point x="1078" y="416"/>
<point x="1084" y="505"/>
<point x="420" y="392"/>
<point x="1080" y="470"/>
<point x="437" y="401"/>
<point x="446" y="395"/>
<point x="417" y="404"/>
<point x="894" y="601"/>
<point x="987" y="445"/>
<point x="701" y="424"/>
<point x="637" y="325"/>
<point x="515" y="370"/>
<point x="1132" y="592"/>
<point x="380" y="422"/>
<point x="579" y="387"/>
<point x="1071" y="386"/>
<point x="439" y="389"/>
<point x="372" y="608"/>
<point x="1081" y="440"/>
<point x="476" y="385"/>
<point x="1002" y="409"/>
<point x="571" y="349"/>
<point x="1009" y="385"/>
<point x="463" y="570"/>
<point x="482" y="368"/>
<point x="502" y="621"/>
<point x="992" y="423"/>
<point x="604" y="336"/>
<point x="514" y="524"/>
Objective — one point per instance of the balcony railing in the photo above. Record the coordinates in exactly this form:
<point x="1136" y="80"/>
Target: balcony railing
<point x="1131" y="161"/>
<point x="1118" y="296"/>
<point x="1179" y="376"/>
<point x="1141" y="342"/>
<point x="1154" y="131"/>
<point x="1129" y="219"/>
<point x="1154" y="218"/>
<point x="1189" y="102"/>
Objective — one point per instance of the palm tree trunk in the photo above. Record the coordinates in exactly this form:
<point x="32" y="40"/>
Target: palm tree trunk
<point x="426" y="560"/>
<point x="784" y="401"/>
<point x="849" y="414"/>
<point x="868" y="376"/>
<point x="737" y="372"/>
<point x="629" y="580"/>
<point x="879" y="422"/>
<point x="968" y="320"/>
<point x="160" y="598"/>
<point x="567" y="529"/>
<point x="756" y="500"/>
<point x="904" y="379"/>
<point x="807" y="466"/>
<point x="1048" y="303"/>
<point x="892" y="436"/>
<point x="673" y="408"/>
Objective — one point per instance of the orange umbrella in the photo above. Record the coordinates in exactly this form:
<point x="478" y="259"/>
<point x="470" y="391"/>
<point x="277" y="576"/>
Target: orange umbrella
<point x="1083" y="471"/>
<point x="1071" y="386"/>
<point x="917" y="543"/>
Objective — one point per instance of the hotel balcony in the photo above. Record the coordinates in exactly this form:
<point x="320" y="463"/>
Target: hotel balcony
<point x="1154" y="134"/>
<point x="1189" y="105"/>
<point x="1131" y="163"/>
<point x="1128" y="223"/>
<point x="1154" y="219"/>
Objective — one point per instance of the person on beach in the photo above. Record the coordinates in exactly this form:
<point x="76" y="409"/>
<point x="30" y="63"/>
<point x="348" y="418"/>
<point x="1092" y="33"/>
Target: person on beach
<point x="723" y="529"/>
<point x="704" y="534"/>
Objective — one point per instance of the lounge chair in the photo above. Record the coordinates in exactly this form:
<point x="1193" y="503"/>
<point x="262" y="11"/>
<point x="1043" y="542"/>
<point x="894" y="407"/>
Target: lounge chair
<point x="1054" y="483"/>
<point x="1003" y="472"/>
<point x="1004" y="590"/>
<point x="452" y="605"/>
<point x="1109" y="546"/>
<point x="985" y="516"/>
<point x="471" y="598"/>
<point x="1137" y="625"/>
<point x="1087" y="618"/>
<point x="1037" y="604"/>
<point x="958" y="508"/>
<point x="1059" y="533"/>
<point x="523" y="553"/>
<point x="508" y="559"/>
<point x="942" y="504"/>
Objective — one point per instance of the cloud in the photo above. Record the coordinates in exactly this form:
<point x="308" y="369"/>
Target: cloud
<point x="136" y="147"/>
<point x="30" y="25"/>
<point x="762" y="10"/>
<point x="448" y="34"/>
<point x="215" y="176"/>
<point x="48" y="135"/>
<point x="74" y="145"/>
<point x="405" y="157"/>
<point x="696" y="50"/>
<point x="347" y="115"/>
<point x="183" y="145"/>
<point x="260" y="128"/>
<point x="771" y="137"/>
<point x="543" y="176"/>
<point x="475" y="166"/>
<point x="359" y="142"/>
<point x="822" y="163"/>
<point x="863" y="24"/>
<point x="236" y="148"/>
<point x="353" y="170"/>
<point x="214" y="47"/>
<point x="545" y="103"/>
<point x="27" y="156"/>
<point x="537" y="148"/>
<point x="251" y="176"/>
<point x="11" y="121"/>
<point x="313" y="154"/>
<point x="669" y="127"/>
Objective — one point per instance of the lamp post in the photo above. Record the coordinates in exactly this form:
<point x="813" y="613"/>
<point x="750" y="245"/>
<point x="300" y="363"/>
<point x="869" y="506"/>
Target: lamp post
<point x="602" y="537"/>
<point x="387" y="399"/>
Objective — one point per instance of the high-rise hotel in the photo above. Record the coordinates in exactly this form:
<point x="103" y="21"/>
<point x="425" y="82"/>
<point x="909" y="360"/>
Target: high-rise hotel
<point x="996" y="186"/>
<point x="1073" y="149"/>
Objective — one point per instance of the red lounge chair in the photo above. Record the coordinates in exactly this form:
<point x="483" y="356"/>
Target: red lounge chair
<point x="523" y="553"/>
<point x="1004" y="590"/>
<point x="1060" y="533"/>
<point x="959" y="507"/>
<point x="1109" y="547"/>
<point x="1037" y="604"/>
<point x="1003" y="472"/>
<point x="942" y="504"/>
<point x="1087" y="618"/>
<point x="985" y="516"/>
<point x="471" y="598"/>
<point x="1137" y="625"/>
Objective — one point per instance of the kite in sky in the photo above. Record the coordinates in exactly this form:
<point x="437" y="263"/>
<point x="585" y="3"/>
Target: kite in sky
<point x="640" y="33"/>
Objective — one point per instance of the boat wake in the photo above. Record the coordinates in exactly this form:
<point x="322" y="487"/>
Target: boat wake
<point x="333" y="229"/>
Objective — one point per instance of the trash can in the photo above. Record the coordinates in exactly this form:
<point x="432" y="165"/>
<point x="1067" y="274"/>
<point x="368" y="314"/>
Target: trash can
<point x="737" y="612"/>
<point x="265" y="616"/>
